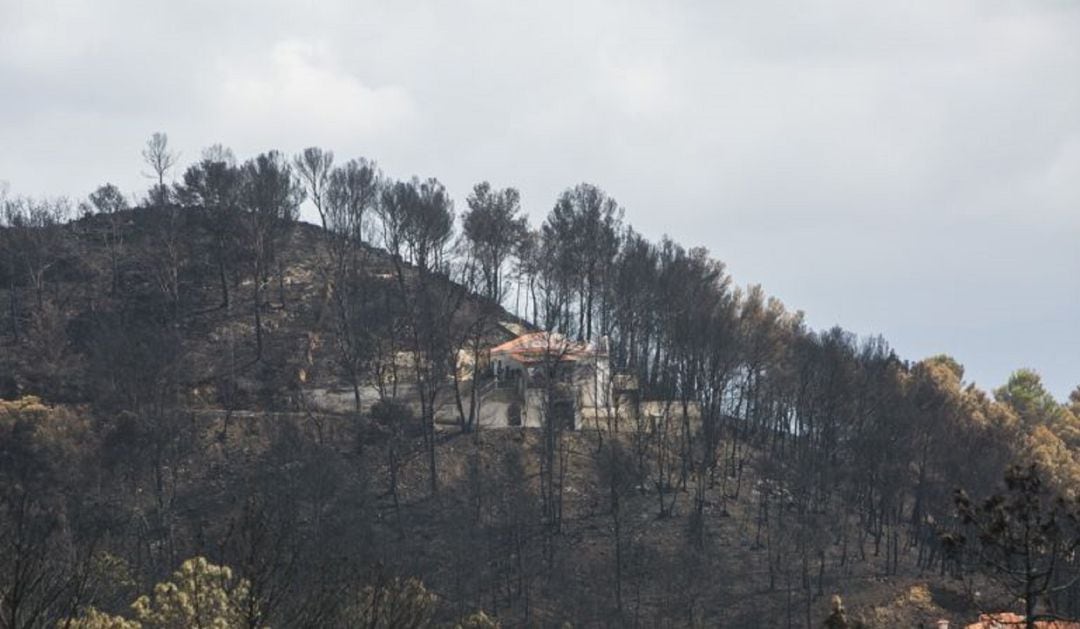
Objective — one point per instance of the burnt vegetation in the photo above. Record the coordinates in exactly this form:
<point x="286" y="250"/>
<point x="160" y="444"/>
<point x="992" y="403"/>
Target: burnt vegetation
<point x="195" y="379"/>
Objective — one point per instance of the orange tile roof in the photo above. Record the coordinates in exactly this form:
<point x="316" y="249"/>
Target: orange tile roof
<point x="540" y="346"/>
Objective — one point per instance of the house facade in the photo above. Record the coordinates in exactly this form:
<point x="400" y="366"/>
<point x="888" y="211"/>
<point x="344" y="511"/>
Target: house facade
<point x="543" y="373"/>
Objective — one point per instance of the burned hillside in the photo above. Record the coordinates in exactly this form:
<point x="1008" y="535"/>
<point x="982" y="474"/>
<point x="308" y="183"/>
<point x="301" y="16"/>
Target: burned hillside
<point x="404" y="413"/>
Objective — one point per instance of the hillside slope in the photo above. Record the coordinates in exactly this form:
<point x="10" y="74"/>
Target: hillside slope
<point x="177" y="424"/>
<point x="55" y="357"/>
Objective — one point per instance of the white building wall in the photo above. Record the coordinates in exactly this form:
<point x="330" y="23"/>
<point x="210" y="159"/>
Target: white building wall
<point x="533" y="413"/>
<point x="593" y="383"/>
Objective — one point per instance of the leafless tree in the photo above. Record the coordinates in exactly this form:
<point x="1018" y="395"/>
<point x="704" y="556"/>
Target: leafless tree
<point x="314" y="166"/>
<point x="160" y="159"/>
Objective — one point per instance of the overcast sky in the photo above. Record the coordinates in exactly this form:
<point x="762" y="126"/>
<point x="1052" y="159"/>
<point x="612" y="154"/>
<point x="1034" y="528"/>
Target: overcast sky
<point x="904" y="168"/>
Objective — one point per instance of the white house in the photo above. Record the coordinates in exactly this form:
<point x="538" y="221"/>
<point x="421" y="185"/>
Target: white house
<point x="529" y="368"/>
